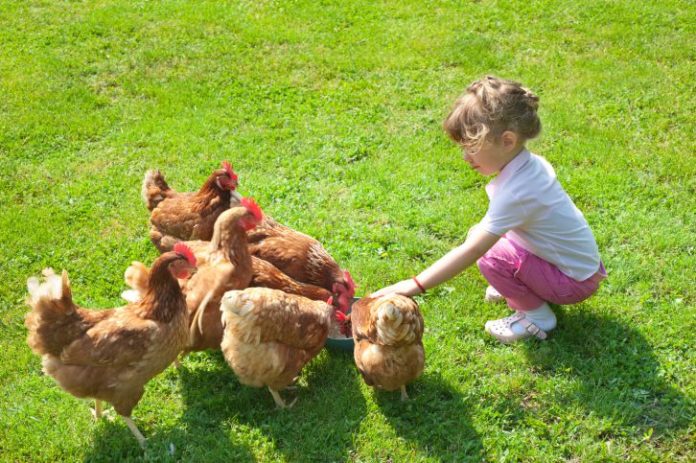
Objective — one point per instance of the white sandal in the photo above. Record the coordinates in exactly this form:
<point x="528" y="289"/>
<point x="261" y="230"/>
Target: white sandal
<point x="502" y="329"/>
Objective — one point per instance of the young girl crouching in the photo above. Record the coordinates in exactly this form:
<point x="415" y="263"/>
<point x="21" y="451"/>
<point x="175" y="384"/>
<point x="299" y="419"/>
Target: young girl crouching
<point x="533" y="246"/>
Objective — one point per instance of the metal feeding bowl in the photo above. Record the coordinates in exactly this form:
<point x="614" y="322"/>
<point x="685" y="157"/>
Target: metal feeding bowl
<point x="341" y="342"/>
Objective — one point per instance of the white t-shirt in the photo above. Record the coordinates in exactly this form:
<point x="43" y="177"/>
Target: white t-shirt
<point x="529" y="205"/>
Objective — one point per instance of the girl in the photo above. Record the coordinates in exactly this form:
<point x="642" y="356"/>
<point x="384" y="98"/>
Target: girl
<point x="533" y="245"/>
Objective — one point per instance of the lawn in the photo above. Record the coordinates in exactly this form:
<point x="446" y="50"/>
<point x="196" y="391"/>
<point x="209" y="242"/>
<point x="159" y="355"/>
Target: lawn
<point x="331" y="113"/>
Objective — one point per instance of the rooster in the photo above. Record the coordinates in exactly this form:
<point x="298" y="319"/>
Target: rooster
<point x="110" y="355"/>
<point x="270" y="335"/>
<point x="388" y="334"/>
<point x="187" y="216"/>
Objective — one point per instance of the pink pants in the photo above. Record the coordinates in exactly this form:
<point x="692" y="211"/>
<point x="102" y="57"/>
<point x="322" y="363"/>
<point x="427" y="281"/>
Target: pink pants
<point x="527" y="281"/>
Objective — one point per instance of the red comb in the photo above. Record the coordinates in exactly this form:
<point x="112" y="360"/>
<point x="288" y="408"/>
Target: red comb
<point x="330" y="300"/>
<point x="340" y="316"/>
<point x="253" y="208"/>
<point x="185" y="251"/>
<point x="228" y="168"/>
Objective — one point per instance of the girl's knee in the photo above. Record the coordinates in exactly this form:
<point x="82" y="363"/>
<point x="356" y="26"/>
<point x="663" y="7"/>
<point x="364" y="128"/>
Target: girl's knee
<point x="486" y="264"/>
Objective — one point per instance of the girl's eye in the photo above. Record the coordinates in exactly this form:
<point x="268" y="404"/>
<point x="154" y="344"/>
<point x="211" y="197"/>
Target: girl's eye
<point x="470" y="150"/>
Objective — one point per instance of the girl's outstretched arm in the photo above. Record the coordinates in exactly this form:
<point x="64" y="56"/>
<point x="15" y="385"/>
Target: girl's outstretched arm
<point x="451" y="264"/>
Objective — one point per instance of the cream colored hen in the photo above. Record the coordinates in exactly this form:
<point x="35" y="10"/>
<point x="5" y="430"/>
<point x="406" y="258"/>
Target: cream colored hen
<point x="270" y="335"/>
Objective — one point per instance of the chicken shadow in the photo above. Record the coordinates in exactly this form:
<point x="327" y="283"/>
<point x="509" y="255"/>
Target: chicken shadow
<point x="616" y="370"/>
<point x="436" y="417"/>
<point x="198" y="436"/>
<point x="318" y="427"/>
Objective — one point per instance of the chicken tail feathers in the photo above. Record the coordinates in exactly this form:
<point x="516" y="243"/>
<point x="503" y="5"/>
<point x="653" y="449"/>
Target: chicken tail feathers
<point x="398" y="322"/>
<point x="155" y="189"/>
<point x="51" y="305"/>
<point x="51" y="295"/>
<point x="137" y="277"/>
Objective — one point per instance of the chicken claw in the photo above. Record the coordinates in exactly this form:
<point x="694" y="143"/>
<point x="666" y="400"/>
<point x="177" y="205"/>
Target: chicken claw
<point x="98" y="412"/>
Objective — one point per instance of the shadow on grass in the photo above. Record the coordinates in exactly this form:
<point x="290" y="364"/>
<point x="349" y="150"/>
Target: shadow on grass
<point x="224" y="419"/>
<point x="206" y="385"/>
<point x="617" y="373"/>
<point x="199" y="435"/>
<point x="436" y="418"/>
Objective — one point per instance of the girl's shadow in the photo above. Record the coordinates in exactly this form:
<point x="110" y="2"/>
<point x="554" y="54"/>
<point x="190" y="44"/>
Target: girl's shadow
<point x="618" y="375"/>
<point x="436" y="417"/>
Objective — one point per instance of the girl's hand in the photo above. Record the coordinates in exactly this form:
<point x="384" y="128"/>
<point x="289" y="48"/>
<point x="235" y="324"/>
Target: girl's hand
<point x="405" y="288"/>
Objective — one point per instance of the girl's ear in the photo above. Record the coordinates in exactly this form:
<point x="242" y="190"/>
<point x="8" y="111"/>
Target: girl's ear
<point x="509" y="139"/>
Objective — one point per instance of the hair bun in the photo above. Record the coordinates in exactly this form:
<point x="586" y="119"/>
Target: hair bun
<point x="489" y="107"/>
<point x="532" y="98"/>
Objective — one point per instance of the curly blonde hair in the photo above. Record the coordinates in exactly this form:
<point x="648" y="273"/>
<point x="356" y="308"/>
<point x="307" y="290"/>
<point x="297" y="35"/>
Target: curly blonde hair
<point x="489" y="107"/>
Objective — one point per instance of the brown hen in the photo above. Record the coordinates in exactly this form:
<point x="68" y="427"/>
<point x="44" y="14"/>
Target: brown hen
<point x="187" y="216"/>
<point x="111" y="354"/>
<point x="225" y="264"/>
<point x="270" y="335"/>
<point x="388" y="333"/>
<point x="302" y="258"/>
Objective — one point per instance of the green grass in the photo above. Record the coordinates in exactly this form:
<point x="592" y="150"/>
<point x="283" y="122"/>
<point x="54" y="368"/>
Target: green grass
<point x="330" y="112"/>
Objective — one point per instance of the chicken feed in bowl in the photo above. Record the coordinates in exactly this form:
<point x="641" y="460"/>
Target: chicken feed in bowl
<point x="337" y="340"/>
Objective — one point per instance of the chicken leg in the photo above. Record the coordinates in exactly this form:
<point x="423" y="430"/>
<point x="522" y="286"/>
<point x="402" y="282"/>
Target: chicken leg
<point x="97" y="412"/>
<point x="404" y="395"/>
<point x="134" y="429"/>
<point x="279" y="400"/>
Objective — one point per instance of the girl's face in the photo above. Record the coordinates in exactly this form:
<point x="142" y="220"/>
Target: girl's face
<point x="486" y="159"/>
<point x="492" y="156"/>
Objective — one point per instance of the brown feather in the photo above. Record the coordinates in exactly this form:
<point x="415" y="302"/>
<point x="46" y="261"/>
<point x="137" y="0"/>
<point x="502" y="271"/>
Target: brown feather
<point x="108" y="355"/>
<point x="299" y="256"/>
<point x="184" y="216"/>
<point x="270" y="335"/>
<point x="269" y="276"/>
<point x="223" y="264"/>
<point x="388" y="333"/>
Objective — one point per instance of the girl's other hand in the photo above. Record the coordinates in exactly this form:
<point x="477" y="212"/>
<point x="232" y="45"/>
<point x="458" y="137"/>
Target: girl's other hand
<point x="405" y="288"/>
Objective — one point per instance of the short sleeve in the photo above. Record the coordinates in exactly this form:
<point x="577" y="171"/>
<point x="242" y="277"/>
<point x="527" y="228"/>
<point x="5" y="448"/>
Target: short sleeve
<point x="506" y="213"/>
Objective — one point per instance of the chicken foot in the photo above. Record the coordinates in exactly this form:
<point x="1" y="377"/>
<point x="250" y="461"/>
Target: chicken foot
<point x="279" y="400"/>
<point x="100" y="411"/>
<point x="134" y="429"/>
<point x="97" y="411"/>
